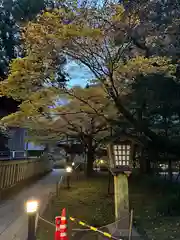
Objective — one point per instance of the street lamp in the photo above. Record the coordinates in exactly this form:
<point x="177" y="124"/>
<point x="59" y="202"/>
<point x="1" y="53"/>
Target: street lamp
<point x="31" y="206"/>
<point x="31" y="209"/>
<point x="69" y="170"/>
<point x="120" y="160"/>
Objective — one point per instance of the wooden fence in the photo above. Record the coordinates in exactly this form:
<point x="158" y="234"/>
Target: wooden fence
<point x="16" y="171"/>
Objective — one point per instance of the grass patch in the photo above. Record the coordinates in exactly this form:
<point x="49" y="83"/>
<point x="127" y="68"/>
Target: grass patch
<point x="87" y="200"/>
<point x="156" y="205"/>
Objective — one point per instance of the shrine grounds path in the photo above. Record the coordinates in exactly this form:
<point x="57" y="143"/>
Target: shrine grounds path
<point x="13" y="218"/>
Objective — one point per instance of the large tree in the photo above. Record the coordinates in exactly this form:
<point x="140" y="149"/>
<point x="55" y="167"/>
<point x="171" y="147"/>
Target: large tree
<point x="86" y="118"/>
<point x="158" y="30"/>
<point x="155" y="98"/>
<point x="104" y="40"/>
<point x="13" y="15"/>
<point x="8" y="36"/>
<point x="84" y="114"/>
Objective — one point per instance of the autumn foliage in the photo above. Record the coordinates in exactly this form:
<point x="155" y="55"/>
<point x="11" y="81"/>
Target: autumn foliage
<point x="107" y="40"/>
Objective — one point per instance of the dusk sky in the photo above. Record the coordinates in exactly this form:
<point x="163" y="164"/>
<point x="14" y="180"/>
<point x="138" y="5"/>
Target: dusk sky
<point x="79" y="75"/>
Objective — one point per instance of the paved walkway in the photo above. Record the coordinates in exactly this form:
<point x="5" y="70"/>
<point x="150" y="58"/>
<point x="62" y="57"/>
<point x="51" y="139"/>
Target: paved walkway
<point x="13" y="219"/>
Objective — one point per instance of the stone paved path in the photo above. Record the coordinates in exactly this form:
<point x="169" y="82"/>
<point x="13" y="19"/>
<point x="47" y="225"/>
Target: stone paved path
<point x="13" y="219"/>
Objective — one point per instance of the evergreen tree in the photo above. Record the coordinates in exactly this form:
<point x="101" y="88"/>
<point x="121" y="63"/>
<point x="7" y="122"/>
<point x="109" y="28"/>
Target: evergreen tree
<point x="9" y="36"/>
<point x="26" y="10"/>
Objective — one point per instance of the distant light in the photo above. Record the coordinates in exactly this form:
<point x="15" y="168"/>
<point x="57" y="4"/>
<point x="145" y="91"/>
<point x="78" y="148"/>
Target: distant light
<point x="73" y="163"/>
<point x="101" y="161"/>
<point x="31" y="206"/>
<point x="69" y="169"/>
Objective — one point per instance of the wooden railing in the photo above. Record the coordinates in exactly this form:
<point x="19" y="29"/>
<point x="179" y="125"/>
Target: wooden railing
<point x="14" y="172"/>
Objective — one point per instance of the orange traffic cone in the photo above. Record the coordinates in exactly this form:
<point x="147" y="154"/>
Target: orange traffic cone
<point x="57" y="230"/>
<point x="63" y="226"/>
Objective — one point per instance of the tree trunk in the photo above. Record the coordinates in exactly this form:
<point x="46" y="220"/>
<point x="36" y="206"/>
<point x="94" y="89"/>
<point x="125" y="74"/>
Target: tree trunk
<point x="90" y="161"/>
<point x="154" y="161"/>
<point x="109" y="183"/>
<point x="148" y="169"/>
<point x="170" y="175"/>
<point x="151" y="161"/>
<point x="145" y="164"/>
<point x="46" y="149"/>
<point x="90" y="157"/>
<point x="141" y="161"/>
<point x="170" y="170"/>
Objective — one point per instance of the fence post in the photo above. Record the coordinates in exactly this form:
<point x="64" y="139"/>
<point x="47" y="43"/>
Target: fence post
<point x="130" y="225"/>
<point x="2" y="180"/>
<point x="68" y="181"/>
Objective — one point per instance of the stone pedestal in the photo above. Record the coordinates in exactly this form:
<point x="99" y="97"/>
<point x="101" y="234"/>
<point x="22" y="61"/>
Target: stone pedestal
<point x="121" y="196"/>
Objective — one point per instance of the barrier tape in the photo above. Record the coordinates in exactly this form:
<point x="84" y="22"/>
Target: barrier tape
<point x="52" y="224"/>
<point x="106" y="234"/>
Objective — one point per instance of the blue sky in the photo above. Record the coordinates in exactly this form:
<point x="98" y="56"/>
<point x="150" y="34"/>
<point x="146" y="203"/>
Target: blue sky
<point x="79" y="74"/>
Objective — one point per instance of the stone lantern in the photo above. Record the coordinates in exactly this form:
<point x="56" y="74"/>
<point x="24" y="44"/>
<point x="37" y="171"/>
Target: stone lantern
<point x="120" y="163"/>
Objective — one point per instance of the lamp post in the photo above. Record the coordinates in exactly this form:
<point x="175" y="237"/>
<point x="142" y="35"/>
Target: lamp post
<point x="120" y="158"/>
<point x="31" y="209"/>
<point x="69" y="170"/>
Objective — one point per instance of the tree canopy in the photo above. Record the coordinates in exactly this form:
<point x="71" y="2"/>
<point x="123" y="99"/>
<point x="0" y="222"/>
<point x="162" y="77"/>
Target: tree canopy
<point x="85" y="114"/>
<point x="120" y="43"/>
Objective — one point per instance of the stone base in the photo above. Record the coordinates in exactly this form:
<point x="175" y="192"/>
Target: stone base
<point x="124" y="220"/>
<point x="117" y="232"/>
<point x="122" y="234"/>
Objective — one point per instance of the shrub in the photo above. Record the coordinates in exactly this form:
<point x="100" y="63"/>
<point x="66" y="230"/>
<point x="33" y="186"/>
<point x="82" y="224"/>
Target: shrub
<point x="35" y="153"/>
